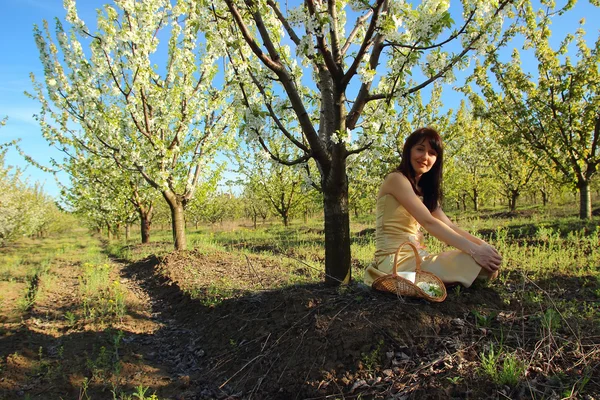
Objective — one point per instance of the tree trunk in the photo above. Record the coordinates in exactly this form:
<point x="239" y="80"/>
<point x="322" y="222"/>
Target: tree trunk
<point x="117" y="231"/>
<point x="145" y="221"/>
<point x="284" y="217"/>
<point x="544" y="197"/>
<point x="585" y="200"/>
<point x="475" y="199"/>
<point x="512" y="201"/>
<point x="337" y="227"/>
<point x="127" y="231"/>
<point x="177" y="219"/>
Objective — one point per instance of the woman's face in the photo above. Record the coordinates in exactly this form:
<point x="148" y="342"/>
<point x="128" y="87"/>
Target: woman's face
<point x="422" y="157"/>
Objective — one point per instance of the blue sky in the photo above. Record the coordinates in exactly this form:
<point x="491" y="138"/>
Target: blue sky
<point x="19" y="57"/>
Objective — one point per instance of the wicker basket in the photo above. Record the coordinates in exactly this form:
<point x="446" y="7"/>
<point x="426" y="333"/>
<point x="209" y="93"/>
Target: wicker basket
<point x="400" y="286"/>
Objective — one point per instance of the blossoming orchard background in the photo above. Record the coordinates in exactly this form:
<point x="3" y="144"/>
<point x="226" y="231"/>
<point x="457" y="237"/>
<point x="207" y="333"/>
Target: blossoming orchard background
<point x="20" y="57"/>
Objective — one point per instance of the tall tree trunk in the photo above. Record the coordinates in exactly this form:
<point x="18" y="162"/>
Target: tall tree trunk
<point x="475" y="199"/>
<point x="512" y="201"/>
<point x="585" y="199"/>
<point x="177" y="219"/>
<point x="337" y="225"/>
<point x="544" y="197"/>
<point x="145" y="221"/>
<point x="117" y="231"/>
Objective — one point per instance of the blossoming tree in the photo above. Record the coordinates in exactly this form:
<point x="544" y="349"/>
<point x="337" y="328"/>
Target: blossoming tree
<point x="107" y="95"/>
<point x="328" y="84"/>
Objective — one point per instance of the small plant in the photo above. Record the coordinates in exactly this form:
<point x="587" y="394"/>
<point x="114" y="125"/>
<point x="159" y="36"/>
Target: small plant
<point x="71" y="318"/>
<point x="490" y="363"/>
<point x="551" y="319"/>
<point x="371" y="360"/>
<point x="509" y="372"/>
<point x="483" y="321"/>
<point x="454" y="380"/>
<point x="140" y="392"/>
<point x="457" y="290"/>
<point x="83" y="390"/>
<point x="512" y="370"/>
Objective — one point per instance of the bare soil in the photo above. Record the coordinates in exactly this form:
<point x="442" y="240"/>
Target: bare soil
<point x="210" y="326"/>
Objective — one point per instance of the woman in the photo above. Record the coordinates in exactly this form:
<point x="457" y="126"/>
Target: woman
<point x="408" y="199"/>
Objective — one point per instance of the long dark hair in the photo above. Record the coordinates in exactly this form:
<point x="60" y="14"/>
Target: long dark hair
<point x="431" y="181"/>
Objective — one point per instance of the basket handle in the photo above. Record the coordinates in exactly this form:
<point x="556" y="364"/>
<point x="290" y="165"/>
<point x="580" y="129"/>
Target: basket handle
<point x="417" y="257"/>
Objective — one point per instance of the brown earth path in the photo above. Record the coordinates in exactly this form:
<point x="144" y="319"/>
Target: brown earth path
<point x="47" y="356"/>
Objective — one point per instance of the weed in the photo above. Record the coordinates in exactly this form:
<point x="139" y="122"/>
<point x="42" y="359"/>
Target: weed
<point x="71" y="319"/>
<point x="551" y="320"/>
<point x="139" y="394"/>
<point x="371" y="360"/>
<point x="490" y="363"/>
<point x="457" y="290"/>
<point x="483" y="321"/>
<point x="509" y="372"/>
<point x="100" y="298"/>
<point x="83" y="389"/>
<point x="512" y="370"/>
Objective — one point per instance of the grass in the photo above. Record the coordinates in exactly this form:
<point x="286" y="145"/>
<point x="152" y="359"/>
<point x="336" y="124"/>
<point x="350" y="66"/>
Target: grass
<point x="100" y="297"/>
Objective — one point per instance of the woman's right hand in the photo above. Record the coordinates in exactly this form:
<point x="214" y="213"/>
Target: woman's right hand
<point x="487" y="256"/>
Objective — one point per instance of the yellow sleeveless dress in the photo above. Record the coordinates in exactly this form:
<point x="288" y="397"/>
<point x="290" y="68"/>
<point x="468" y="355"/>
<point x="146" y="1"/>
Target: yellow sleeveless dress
<point x="395" y="226"/>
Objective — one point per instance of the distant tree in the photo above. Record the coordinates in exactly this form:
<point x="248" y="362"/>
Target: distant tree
<point x="218" y="207"/>
<point x="469" y="159"/>
<point x="255" y="206"/>
<point x="206" y="187"/>
<point x="280" y="186"/>
<point x="25" y="210"/>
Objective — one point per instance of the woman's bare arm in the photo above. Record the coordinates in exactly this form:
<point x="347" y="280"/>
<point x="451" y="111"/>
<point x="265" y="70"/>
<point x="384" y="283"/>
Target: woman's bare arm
<point x="439" y="214"/>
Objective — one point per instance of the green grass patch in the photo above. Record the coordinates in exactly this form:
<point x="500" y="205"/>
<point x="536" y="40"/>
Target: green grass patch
<point x="101" y="298"/>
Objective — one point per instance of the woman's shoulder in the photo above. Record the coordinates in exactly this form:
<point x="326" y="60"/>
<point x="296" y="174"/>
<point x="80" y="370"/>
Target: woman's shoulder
<point x="396" y="184"/>
<point x="395" y="175"/>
